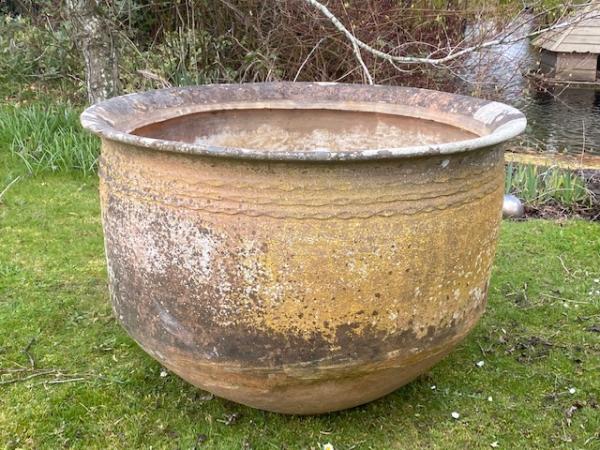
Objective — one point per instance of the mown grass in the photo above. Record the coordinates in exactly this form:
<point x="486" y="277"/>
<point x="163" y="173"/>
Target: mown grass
<point x="92" y="387"/>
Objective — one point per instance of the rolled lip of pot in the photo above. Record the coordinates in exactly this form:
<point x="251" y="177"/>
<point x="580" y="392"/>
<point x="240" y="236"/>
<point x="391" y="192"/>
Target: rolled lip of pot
<point x="492" y="122"/>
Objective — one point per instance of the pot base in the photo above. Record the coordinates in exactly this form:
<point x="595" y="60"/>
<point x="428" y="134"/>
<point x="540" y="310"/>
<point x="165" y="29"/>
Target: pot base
<point x="310" y="389"/>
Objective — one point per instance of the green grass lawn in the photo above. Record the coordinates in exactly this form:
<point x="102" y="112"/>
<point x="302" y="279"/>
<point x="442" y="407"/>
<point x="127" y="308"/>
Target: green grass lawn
<point x="71" y="377"/>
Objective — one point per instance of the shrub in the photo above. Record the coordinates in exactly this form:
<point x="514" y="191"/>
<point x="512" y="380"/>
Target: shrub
<point x="37" y="57"/>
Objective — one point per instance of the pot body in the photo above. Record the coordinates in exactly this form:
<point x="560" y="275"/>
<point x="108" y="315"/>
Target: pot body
<point x="299" y="286"/>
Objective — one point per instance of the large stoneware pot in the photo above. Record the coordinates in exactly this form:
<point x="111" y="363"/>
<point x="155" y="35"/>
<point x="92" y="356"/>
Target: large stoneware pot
<point x="300" y="247"/>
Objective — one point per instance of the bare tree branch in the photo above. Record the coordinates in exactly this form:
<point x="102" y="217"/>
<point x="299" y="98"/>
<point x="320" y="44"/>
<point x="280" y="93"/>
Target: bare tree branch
<point x="362" y="63"/>
<point x="308" y="57"/>
<point x="453" y="53"/>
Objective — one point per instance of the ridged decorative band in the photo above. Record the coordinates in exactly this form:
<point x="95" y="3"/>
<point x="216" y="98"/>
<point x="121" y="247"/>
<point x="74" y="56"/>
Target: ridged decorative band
<point x="286" y="193"/>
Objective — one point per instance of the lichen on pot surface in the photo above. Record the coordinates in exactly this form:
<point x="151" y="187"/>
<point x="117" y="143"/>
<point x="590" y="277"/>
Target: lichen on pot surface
<point x="300" y="247"/>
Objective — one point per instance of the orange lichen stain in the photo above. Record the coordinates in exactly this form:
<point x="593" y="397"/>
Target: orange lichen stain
<point x="395" y="249"/>
<point x="365" y="275"/>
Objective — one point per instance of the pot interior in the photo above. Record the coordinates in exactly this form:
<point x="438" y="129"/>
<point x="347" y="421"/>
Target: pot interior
<point x="302" y="129"/>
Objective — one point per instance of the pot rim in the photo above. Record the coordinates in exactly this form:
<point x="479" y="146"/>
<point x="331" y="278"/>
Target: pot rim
<point x="494" y="122"/>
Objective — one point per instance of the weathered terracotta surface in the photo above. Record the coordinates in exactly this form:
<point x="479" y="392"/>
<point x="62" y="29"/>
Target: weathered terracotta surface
<point x="297" y="281"/>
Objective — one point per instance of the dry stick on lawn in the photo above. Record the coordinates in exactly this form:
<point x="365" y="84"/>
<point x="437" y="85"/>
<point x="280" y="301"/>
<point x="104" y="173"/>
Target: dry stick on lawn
<point x="14" y="370"/>
<point x="453" y="54"/>
<point x="66" y="377"/>
<point x="64" y="380"/>
<point x="562" y="263"/>
<point x="5" y="190"/>
<point x="29" y="355"/>
<point x="29" y="377"/>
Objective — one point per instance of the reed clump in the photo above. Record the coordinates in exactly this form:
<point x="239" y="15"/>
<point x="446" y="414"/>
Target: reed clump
<point x="48" y="138"/>
<point x="538" y="186"/>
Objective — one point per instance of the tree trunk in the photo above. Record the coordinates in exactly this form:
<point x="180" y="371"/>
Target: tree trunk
<point x="97" y="41"/>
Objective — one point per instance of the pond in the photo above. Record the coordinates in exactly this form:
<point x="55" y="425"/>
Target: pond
<point x="567" y="120"/>
<point x="560" y="120"/>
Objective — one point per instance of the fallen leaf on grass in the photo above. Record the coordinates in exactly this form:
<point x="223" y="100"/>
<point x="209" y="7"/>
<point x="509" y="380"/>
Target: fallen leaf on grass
<point x="201" y="439"/>
<point x="229" y="419"/>
<point x="204" y="397"/>
<point x="594" y="329"/>
<point x="571" y="410"/>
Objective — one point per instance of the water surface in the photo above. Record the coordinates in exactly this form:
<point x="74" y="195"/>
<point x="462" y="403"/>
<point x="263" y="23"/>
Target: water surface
<point x="303" y="130"/>
<point x="559" y="120"/>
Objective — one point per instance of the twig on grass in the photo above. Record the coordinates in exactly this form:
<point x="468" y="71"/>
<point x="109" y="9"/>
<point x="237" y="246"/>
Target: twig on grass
<point x="483" y="351"/>
<point x="60" y="377"/>
<point x="29" y="355"/>
<point x="5" y="190"/>
<point x="562" y="299"/>
<point x="64" y="380"/>
<point x="562" y="263"/>
<point x="28" y="377"/>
